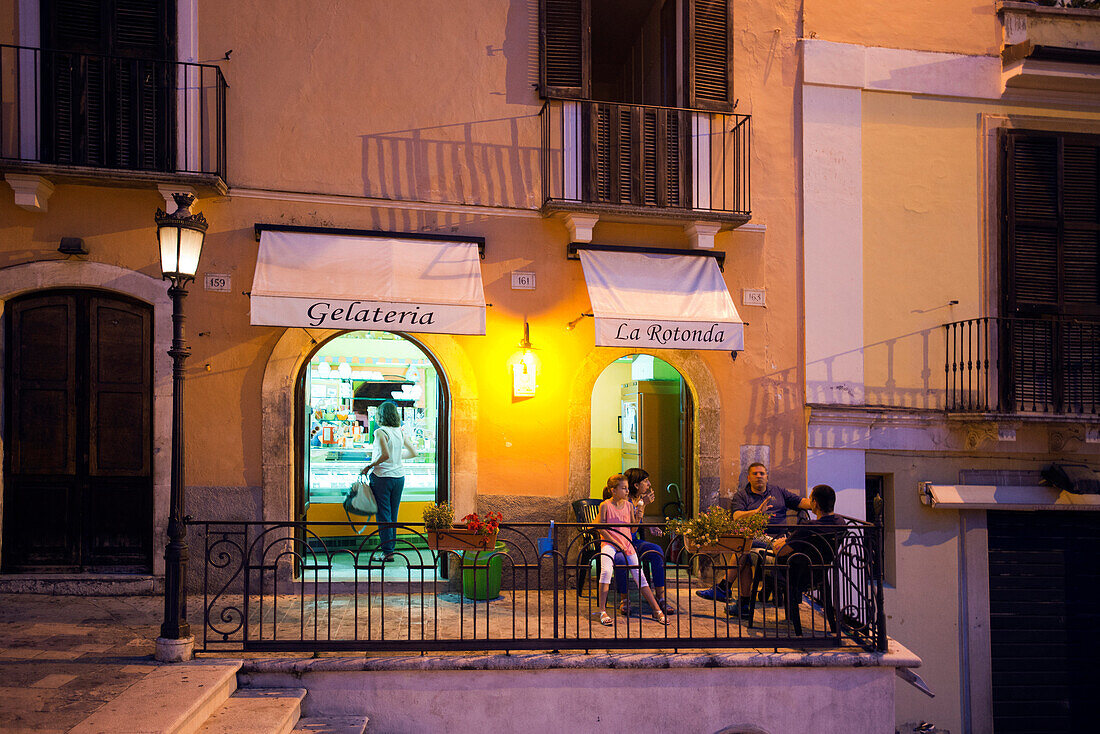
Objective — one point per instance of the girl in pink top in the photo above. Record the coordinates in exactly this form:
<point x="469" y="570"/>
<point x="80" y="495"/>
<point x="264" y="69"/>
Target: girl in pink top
<point x="618" y="509"/>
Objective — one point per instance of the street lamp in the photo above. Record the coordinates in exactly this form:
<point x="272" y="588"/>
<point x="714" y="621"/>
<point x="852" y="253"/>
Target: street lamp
<point x="180" y="236"/>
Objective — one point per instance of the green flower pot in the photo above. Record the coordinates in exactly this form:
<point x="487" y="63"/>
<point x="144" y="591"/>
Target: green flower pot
<point x="482" y="571"/>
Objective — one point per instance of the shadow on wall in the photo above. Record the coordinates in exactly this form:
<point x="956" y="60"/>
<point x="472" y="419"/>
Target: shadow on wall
<point x="900" y="373"/>
<point x="463" y="163"/>
<point x="775" y="410"/>
<point x="905" y="371"/>
<point x="492" y="162"/>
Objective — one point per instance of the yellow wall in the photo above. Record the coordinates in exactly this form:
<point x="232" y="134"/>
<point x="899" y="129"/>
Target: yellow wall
<point x="927" y="236"/>
<point x="607" y="444"/>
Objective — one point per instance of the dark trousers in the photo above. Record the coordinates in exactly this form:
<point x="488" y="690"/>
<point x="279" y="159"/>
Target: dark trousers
<point x="387" y="493"/>
<point x="652" y="560"/>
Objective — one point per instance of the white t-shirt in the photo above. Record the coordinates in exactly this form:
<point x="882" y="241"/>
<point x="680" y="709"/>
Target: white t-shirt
<point x="394" y="465"/>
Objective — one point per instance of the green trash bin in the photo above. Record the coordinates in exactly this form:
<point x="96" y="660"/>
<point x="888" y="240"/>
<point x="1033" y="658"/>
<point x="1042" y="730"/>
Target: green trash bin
<point x="481" y="572"/>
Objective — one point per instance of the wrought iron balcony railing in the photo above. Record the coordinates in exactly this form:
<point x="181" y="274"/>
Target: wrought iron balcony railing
<point x="1021" y="365"/>
<point x="280" y="586"/>
<point x="609" y="156"/>
<point x="110" y="113"/>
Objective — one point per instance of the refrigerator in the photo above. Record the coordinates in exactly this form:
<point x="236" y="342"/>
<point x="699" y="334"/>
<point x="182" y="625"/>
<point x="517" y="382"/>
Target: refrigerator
<point x="650" y="418"/>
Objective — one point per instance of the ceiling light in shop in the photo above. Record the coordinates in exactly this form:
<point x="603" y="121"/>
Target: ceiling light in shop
<point x="344" y="370"/>
<point x="323" y="369"/>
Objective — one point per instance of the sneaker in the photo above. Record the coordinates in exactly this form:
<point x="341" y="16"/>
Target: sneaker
<point x="742" y="608"/>
<point x="715" y="593"/>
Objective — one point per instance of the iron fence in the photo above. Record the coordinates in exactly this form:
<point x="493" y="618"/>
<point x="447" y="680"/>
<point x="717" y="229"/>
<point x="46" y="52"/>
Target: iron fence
<point x="288" y="587"/>
<point x="110" y="112"/>
<point x="1011" y="364"/>
<point x="616" y="155"/>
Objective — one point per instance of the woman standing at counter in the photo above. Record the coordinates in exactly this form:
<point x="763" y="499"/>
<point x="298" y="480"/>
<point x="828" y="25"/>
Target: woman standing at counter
<point x="386" y="472"/>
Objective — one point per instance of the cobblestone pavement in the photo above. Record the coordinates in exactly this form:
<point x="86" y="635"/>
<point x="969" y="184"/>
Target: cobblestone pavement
<point x="62" y="657"/>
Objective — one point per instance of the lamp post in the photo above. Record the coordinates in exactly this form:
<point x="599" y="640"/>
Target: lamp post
<point x="180" y="235"/>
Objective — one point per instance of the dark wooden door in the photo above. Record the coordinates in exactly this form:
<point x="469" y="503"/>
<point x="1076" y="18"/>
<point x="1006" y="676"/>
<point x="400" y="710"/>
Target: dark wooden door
<point x="1044" y="620"/>
<point x="78" y="470"/>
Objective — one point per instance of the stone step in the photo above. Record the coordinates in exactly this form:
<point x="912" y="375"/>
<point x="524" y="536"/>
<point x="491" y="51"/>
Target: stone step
<point x="257" y="711"/>
<point x="331" y="725"/>
<point x="173" y="699"/>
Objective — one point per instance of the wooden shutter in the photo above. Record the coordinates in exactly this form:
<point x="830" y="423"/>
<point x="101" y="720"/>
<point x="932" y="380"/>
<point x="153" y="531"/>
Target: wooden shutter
<point x="565" y="43"/>
<point x="1081" y="253"/>
<point x="710" y="45"/>
<point x="108" y="86"/>
<point x="1051" y="271"/>
<point x="1052" y="225"/>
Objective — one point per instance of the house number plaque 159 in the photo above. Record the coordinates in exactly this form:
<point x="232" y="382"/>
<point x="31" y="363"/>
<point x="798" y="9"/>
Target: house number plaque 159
<point x="220" y="282"/>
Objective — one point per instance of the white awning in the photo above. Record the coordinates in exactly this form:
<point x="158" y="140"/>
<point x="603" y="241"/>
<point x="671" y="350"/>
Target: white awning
<point x="379" y="283"/>
<point x="995" y="497"/>
<point x="659" y="301"/>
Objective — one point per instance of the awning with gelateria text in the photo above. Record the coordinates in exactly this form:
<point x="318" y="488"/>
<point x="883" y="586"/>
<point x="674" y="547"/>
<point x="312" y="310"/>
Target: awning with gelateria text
<point x="660" y="301"/>
<point x="371" y="282"/>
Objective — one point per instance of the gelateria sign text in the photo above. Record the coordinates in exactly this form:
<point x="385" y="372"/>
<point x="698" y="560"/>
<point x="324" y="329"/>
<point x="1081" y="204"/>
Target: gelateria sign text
<point x="724" y="336"/>
<point x="323" y="313"/>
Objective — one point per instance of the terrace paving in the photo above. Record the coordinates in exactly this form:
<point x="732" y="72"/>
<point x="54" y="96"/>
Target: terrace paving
<point x="63" y="657"/>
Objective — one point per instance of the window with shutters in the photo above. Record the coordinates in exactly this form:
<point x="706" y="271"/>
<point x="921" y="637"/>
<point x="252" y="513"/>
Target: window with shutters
<point x="1050" y="334"/>
<point x="108" y="85"/>
<point x="641" y="85"/>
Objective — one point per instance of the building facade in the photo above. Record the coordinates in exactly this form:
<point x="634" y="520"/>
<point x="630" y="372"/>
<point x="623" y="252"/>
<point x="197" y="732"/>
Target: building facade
<point x="559" y="142"/>
<point x="952" y="287"/>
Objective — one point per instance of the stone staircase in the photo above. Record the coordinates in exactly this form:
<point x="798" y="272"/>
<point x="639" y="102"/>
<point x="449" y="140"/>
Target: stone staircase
<point x="202" y="698"/>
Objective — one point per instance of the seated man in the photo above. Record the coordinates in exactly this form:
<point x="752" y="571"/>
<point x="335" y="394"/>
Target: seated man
<point x="757" y="497"/>
<point x="807" y="551"/>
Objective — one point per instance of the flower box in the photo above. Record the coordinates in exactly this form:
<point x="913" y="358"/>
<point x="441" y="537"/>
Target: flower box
<point x="725" y="544"/>
<point x="455" y="539"/>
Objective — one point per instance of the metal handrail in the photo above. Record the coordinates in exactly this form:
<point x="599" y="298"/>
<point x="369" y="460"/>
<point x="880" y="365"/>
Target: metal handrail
<point x="645" y="158"/>
<point x="281" y="586"/>
<point x="1013" y="364"/>
<point x="186" y="101"/>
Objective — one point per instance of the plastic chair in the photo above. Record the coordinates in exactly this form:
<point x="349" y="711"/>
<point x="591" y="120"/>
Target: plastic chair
<point x="587" y="513"/>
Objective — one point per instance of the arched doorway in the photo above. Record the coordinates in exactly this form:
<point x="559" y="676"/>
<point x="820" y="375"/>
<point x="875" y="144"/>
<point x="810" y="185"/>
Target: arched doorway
<point x="642" y="415"/>
<point x="339" y="388"/>
<point x="78" y="463"/>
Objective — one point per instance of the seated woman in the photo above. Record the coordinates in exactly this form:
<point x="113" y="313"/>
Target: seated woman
<point x="651" y="554"/>
<point x="618" y="509"/>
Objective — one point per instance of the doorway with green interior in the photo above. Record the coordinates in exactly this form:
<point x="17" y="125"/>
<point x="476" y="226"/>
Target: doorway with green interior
<point x="642" y="416"/>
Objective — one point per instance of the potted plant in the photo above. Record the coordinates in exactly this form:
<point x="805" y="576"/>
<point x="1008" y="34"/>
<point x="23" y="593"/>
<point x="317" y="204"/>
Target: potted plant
<point x="715" y="531"/>
<point x="479" y="534"/>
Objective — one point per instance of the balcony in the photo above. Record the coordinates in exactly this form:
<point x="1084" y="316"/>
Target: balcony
<point x="1023" y="366"/>
<point x="94" y="119"/>
<point x="626" y="161"/>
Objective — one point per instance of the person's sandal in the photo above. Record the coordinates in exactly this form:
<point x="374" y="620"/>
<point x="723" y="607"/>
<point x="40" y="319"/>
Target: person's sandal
<point x="605" y="619"/>
<point x="660" y="618"/>
<point x="624" y="609"/>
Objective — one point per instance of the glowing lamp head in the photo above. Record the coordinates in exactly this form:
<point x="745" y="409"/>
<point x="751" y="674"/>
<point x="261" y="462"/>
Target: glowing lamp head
<point x="180" y="236"/>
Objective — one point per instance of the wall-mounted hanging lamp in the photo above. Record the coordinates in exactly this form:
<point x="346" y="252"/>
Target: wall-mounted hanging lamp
<point x="525" y="367"/>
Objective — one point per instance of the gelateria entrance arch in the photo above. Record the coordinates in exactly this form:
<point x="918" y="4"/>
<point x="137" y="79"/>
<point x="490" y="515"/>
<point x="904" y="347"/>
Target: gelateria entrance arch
<point x="279" y="405"/>
<point x="706" y="426"/>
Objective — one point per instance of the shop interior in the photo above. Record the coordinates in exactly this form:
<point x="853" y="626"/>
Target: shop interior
<point x="347" y="379"/>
